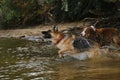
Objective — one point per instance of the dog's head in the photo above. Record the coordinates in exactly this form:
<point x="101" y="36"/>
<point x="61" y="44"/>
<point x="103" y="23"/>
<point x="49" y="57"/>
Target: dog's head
<point x="53" y="33"/>
<point x="46" y="34"/>
<point x="88" y="32"/>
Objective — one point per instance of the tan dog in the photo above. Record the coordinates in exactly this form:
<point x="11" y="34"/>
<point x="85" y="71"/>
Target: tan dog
<point x="103" y="36"/>
<point x="66" y="42"/>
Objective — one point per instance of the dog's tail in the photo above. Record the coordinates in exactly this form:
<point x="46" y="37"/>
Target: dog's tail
<point x="116" y="40"/>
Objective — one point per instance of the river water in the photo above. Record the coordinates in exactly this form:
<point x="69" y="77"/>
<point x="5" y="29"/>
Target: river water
<point x="29" y="60"/>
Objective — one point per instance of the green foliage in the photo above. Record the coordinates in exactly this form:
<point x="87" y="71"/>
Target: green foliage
<point x="72" y="10"/>
<point x="8" y="15"/>
<point x="14" y="13"/>
<point x="19" y="12"/>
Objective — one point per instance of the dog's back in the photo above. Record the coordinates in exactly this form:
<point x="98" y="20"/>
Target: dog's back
<point x="82" y="43"/>
<point x="107" y="36"/>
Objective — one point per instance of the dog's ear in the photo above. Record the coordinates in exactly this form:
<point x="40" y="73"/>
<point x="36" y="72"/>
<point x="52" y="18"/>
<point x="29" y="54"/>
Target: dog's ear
<point x="55" y="28"/>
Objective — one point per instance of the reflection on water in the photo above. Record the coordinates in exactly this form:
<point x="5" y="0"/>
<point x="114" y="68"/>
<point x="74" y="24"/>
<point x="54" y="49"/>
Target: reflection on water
<point x="25" y="60"/>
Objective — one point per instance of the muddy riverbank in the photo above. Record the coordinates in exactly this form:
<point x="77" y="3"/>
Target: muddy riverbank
<point x="36" y="30"/>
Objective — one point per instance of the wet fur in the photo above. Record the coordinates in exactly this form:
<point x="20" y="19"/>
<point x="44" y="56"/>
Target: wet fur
<point x="64" y="45"/>
<point x="103" y="36"/>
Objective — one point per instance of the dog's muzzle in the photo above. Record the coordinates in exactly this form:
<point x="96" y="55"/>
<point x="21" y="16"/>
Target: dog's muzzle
<point x="46" y="34"/>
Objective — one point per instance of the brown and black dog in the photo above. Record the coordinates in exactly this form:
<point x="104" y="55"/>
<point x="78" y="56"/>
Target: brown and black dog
<point x="66" y="42"/>
<point x="103" y="36"/>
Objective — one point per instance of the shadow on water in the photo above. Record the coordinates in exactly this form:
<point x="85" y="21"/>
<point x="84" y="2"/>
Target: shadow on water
<point x="28" y="60"/>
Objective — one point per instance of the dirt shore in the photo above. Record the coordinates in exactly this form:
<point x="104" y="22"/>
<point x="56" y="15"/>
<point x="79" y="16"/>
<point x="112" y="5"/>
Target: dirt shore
<point x="36" y="30"/>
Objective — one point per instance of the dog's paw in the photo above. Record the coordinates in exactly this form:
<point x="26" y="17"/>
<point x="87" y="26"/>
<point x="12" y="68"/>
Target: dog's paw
<point x="60" y="56"/>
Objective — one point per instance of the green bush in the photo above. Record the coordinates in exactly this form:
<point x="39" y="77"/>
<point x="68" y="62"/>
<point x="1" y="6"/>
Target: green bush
<point x="14" y="13"/>
<point x="74" y="10"/>
<point x="20" y="12"/>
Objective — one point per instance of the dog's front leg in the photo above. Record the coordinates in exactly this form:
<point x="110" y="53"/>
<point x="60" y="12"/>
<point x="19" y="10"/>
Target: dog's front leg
<point x="61" y="52"/>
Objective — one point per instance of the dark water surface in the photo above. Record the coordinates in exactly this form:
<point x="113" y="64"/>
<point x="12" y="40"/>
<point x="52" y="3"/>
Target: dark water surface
<point x="27" y="60"/>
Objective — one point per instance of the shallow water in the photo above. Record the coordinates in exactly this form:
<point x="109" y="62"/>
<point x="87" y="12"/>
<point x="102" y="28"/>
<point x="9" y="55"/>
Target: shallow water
<point x="29" y="60"/>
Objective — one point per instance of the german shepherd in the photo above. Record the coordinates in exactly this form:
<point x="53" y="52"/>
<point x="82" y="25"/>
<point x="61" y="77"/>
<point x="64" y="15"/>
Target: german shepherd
<point x="66" y="42"/>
